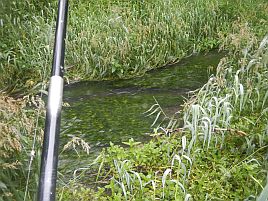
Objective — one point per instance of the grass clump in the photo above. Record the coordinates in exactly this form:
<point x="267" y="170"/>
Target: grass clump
<point x="16" y="133"/>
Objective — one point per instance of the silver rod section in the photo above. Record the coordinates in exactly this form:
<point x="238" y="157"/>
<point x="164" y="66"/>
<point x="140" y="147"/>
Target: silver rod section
<point x="49" y="160"/>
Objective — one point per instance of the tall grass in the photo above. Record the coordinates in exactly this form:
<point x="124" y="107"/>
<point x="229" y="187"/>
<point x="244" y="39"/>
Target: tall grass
<point x="17" y="130"/>
<point x="26" y="45"/>
<point x="235" y="93"/>
<point x="234" y="102"/>
<point x="111" y="39"/>
<point x="122" y="38"/>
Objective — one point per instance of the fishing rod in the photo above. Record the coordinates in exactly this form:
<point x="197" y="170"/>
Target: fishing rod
<point x="49" y="158"/>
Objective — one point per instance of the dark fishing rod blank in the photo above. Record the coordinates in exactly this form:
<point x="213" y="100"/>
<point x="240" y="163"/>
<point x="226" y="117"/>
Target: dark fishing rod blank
<point x="49" y="158"/>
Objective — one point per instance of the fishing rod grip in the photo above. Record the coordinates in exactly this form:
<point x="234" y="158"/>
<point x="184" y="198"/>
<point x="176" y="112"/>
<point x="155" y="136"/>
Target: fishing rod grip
<point x="49" y="158"/>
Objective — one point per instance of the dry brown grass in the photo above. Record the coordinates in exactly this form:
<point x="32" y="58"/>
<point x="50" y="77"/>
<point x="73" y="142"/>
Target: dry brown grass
<point x="17" y="129"/>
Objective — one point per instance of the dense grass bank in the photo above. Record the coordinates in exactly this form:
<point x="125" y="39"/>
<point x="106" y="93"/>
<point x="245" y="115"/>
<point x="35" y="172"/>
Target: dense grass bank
<point x="111" y="39"/>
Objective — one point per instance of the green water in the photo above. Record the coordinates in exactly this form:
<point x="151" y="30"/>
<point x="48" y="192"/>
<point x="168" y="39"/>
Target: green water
<point x="104" y="111"/>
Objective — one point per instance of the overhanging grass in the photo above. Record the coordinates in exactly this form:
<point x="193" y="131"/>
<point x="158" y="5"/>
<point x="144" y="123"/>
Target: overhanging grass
<point x="111" y="39"/>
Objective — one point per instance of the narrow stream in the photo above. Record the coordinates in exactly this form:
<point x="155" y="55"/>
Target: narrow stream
<point x="104" y="111"/>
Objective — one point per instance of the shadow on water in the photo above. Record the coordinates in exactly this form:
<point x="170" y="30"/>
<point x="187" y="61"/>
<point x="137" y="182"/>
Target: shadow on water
<point x="104" y="111"/>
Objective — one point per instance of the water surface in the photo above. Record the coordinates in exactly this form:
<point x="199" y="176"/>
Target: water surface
<point x="104" y="111"/>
